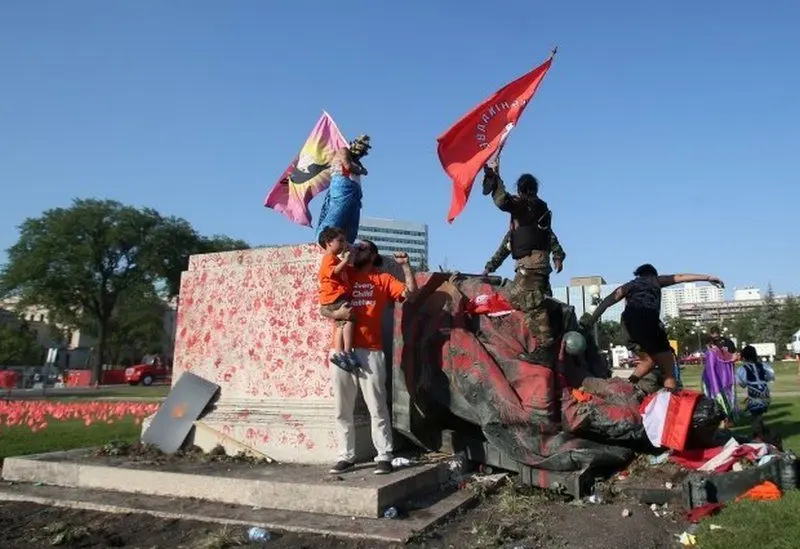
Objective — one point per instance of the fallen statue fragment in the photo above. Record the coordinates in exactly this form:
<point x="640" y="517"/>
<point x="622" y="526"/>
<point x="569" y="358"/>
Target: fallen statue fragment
<point x="453" y="367"/>
<point x="461" y="380"/>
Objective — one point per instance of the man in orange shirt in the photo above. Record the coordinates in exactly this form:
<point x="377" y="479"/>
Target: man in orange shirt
<point x="372" y="292"/>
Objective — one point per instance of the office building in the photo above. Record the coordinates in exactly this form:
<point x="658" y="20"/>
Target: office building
<point x="392" y="235"/>
<point x="746" y="294"/>
<point x="717" y="312"/>
<point x="578" y="294"/>
<point x="690" y="293"/>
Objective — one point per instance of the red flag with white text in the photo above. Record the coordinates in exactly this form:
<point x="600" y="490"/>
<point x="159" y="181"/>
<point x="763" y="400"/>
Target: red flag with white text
<point x="466" y="147"/>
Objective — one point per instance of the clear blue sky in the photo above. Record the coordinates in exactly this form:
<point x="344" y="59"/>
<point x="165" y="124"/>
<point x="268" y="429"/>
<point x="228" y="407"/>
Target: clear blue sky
<point x="663" y="132"/>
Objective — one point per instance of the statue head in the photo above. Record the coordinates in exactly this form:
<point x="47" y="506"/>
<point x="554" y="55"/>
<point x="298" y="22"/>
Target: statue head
<point x="360" y="146"/>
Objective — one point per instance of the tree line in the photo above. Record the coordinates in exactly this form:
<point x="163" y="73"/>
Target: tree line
<point x="104" y="268"/>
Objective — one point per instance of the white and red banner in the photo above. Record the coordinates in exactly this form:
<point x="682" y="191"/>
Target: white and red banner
<point x="667" y="417"/>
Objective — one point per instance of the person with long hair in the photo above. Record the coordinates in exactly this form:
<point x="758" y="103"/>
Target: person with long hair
<point x="642" y="318"/>
<point x="755" y="376"/>
<point x="718" y="378"/>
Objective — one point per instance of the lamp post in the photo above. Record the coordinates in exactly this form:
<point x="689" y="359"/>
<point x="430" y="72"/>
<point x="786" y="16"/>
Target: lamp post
<point x="697" y="330"/>
<point x="594" y="293"/>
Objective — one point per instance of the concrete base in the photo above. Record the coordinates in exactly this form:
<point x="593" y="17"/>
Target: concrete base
<point x="249" y="322"/>
<point x="286" y="430"/>
<point x="288" y="487"/>
<point x="430" y="512"/>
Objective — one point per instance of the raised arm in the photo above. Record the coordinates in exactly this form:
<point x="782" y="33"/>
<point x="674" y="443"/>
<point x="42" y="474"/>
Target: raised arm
<point x="671" y="280"/>
<point x="558" y="252"/>
<point x="611" y="299"/>
<point x="493" y="183"/>
<point x="408" y="274"/>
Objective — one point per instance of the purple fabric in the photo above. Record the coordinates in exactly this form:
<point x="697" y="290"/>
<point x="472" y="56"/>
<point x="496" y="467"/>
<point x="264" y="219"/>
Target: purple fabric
<point x="718" y="377"/>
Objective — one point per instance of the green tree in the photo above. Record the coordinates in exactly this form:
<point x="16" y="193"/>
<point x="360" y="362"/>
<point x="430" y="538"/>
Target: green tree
<point x="177" y="240"/>
<point x="610" y="332"/>
<point x="789" y="321"/>
<point x="82" y="263"/>
<point x="680" y="329"/>
<point x="743" y="327"/>
<point x="136" y="326"/>
<point x="18" y="345"/>
<point x="768" y="322"/>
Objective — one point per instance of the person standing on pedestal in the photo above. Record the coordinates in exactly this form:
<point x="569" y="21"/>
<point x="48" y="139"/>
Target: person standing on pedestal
<point x="372" y="292"/>
<point x="342" y="205"/>
<point x="531" y="239"/>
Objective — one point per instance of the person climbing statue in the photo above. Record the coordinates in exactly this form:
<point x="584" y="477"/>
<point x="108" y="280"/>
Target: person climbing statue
<point x="342" y="205"/>
<point x="530" y="239"/>
<point x="642" y="318"/>
<point x="504" y="251"/>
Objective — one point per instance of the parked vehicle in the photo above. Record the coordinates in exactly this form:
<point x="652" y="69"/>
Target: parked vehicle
<point x="692" y="359"/>
<point x="147" y="373"/>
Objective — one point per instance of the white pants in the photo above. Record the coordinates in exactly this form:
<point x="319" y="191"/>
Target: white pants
<point x="371" y="378"/>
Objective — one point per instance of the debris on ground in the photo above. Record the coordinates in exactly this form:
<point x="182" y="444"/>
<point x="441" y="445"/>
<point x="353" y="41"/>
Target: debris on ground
<point x="148" y="453"/>
<point x="399" y="462"/>
<point x="257" y="534"/>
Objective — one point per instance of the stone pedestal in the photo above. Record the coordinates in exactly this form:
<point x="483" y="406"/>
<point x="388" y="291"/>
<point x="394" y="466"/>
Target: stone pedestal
<point x="249" y="321"/>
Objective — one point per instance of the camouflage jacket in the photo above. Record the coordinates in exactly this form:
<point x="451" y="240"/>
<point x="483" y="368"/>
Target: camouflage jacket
<point x="505" y="250"/>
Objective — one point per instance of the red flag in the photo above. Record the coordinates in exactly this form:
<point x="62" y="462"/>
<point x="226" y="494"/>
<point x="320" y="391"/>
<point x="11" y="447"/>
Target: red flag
<point x="466" y="147"/>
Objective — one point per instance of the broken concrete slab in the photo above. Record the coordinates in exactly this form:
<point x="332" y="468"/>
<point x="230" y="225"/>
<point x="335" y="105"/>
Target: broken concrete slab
<point x="170" y="425"/>
<point x="379" y="530"/>
<point x="289" y="487"/>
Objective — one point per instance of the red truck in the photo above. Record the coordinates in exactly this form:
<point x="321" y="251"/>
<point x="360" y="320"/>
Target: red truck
<point x="146" y="373"/>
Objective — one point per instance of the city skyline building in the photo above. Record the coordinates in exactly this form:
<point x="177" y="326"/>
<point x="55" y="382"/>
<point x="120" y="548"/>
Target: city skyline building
<point x="392" y="235"/>
<point x="689" y="293"/>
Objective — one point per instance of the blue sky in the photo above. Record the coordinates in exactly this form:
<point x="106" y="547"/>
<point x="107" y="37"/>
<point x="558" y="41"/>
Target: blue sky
<point x="663" y="132"/>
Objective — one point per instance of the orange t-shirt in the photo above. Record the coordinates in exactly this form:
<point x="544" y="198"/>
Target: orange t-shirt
<point x="372" y="291"/>
<point x="332" y="286"/>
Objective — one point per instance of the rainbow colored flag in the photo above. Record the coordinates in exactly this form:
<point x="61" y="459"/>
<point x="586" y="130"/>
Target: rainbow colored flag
<point x="309" y="173"/>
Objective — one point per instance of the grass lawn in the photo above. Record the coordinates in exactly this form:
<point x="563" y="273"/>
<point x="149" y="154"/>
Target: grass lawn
<point x="64" y="435"/>
<point x="121" y="392"/>
<point x="763" y="524"/>
<point x="786" y="378"/>
<point x="766" y="525"/>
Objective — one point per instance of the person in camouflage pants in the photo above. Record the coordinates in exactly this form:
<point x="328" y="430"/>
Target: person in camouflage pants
<point x="502" y="253"/>
<point x="530" y="241"/>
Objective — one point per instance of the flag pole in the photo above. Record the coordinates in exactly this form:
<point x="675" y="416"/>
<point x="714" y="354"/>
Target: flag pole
<point x="553" y="52"/>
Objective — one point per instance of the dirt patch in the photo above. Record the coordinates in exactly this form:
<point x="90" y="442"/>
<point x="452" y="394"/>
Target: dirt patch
<point x="644" y="473"/>
<point x="138" y="452"/>
<point x="513" y="517"/>
<point x="527" y="518"/>
<point x="188" y="460"/>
